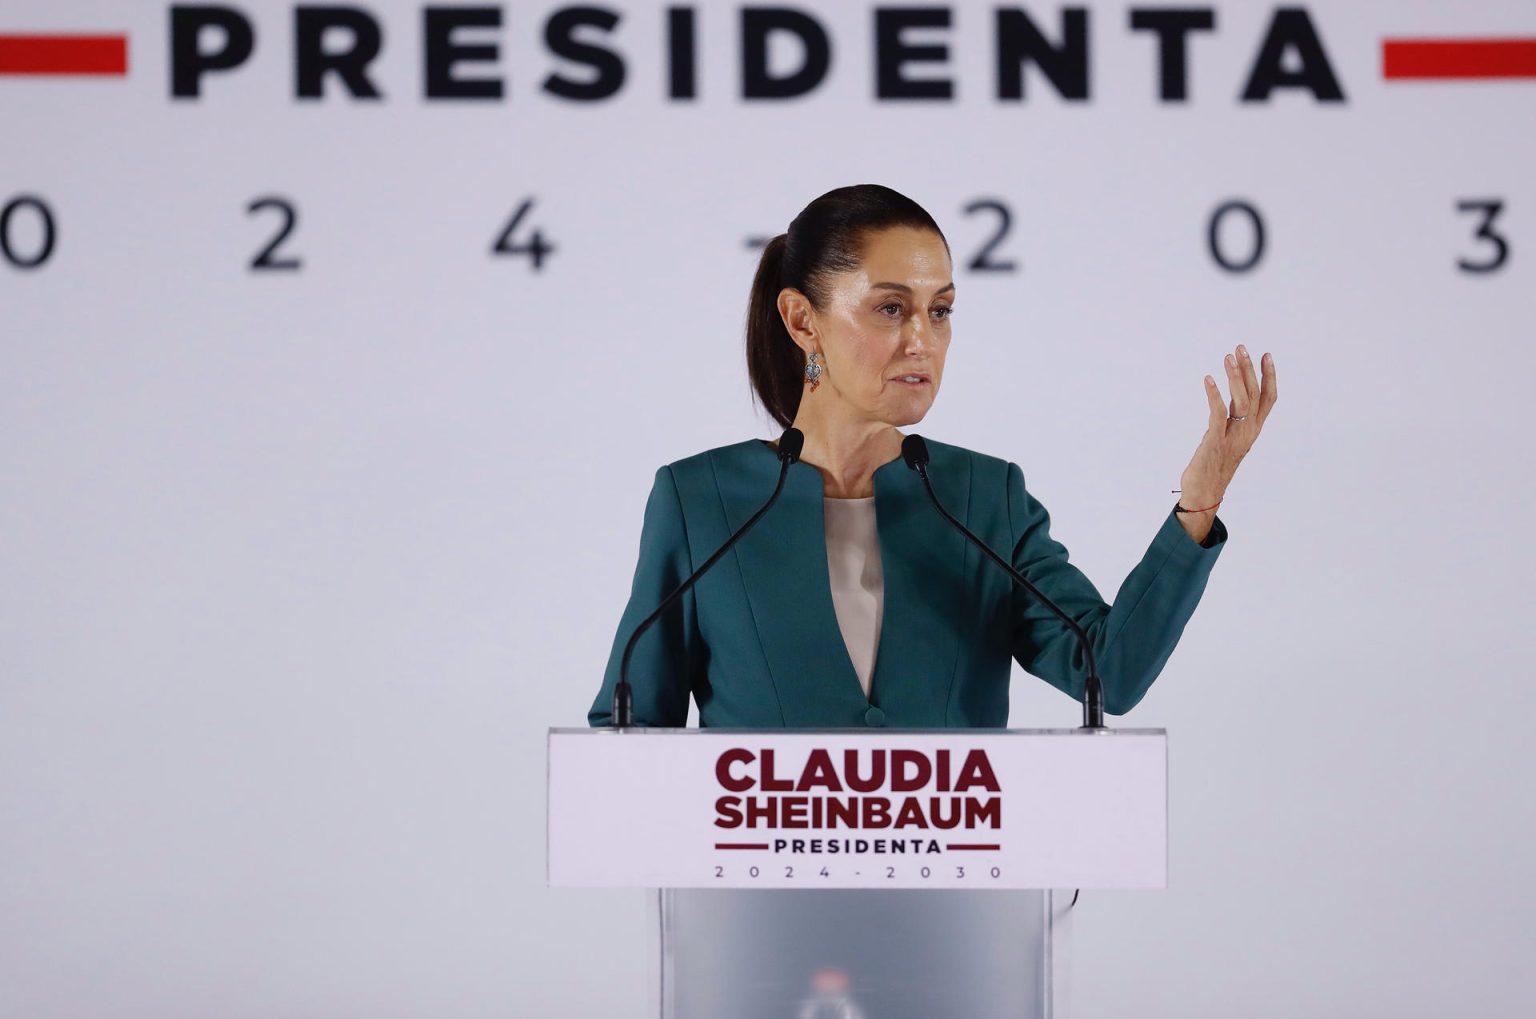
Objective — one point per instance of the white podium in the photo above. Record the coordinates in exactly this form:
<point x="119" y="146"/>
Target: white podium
<point x="859" y="874"/>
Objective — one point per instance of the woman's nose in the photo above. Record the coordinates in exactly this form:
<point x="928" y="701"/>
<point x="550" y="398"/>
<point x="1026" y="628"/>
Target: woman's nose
<point x="919" y="335"/>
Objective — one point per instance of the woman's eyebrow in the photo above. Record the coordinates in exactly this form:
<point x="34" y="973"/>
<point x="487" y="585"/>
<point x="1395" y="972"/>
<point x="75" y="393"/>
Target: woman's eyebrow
<point x="907" y="290"/>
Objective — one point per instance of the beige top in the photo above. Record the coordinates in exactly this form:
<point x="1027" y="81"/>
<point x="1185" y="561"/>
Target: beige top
<point x="858" y="582"/>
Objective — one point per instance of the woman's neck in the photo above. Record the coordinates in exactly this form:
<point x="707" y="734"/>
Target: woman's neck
<point x="847" y="453"/>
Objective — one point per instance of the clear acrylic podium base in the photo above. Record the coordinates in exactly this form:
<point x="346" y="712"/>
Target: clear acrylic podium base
<point x="862" y="954"/>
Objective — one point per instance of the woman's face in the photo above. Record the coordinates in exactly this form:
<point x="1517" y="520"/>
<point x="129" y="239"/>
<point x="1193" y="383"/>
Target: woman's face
<point x="886" y="319"/>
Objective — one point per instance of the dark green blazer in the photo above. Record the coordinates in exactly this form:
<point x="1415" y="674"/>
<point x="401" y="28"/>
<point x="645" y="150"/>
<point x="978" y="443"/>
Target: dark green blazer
<point x="756" y="641"/>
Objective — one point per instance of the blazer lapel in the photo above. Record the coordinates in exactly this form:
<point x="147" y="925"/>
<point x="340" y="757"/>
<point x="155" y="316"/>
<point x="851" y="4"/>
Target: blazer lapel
<point x="783" y="563"/>
<point x="926" y="564"/>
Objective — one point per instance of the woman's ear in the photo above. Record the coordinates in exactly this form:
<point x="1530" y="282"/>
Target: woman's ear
<point x="799" y="319"/>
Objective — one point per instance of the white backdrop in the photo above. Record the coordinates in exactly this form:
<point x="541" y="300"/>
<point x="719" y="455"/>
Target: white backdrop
<point x="297" y="566"/>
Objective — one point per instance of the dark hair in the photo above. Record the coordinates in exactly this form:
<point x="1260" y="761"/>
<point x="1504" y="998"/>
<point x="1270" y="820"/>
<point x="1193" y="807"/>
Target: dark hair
<point x="826" y="238"/>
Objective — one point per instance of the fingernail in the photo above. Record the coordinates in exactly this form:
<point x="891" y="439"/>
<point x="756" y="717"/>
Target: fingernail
<point x="1230" y="359"/>
<point x="1242" y="350"/>
<point x="1268" y="359"/>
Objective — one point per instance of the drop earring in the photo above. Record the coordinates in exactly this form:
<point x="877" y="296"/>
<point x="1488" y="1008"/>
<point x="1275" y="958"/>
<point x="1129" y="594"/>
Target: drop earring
<point x="813" y="370"/>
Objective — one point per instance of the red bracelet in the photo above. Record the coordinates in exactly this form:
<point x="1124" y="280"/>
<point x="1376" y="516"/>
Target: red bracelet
<point x="1180" y="509"/>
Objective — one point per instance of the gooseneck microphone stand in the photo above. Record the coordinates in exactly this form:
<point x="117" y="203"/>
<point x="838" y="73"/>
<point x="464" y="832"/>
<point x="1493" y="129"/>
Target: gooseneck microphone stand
<point x="915" y="452"/>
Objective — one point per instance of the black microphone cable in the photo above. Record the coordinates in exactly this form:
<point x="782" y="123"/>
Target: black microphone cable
<point x="915" y="452"/>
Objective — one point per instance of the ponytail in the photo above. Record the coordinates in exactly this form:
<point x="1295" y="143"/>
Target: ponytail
<point x="774" y="360"/>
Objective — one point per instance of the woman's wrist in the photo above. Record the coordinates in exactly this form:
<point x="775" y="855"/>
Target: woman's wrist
<point x="1195" y="511"/>
<point x="1198" y="499"/>
<point x="1196" y="525"/>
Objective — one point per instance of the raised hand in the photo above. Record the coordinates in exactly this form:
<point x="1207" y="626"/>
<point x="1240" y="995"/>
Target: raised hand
<point x="1230" y="432"/>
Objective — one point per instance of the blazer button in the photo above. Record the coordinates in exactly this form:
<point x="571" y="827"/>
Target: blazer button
<point x="874" y="717"/>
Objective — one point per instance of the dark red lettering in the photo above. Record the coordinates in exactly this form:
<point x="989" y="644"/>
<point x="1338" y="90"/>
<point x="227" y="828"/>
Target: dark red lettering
<point x="910" y="770"/>
<point x="819" y="772"/>
<point x="859" y="783"/>
<point x="728" y="811"/>
<point x="768" y="780"/>
<point x="977" y="771"/>
<point x="735" y="755"/>
<point x="910" y="815"/>
<point x="983" y="813"/>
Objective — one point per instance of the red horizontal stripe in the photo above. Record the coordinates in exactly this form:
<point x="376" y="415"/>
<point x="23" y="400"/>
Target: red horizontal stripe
<point x="64" y="54"/>
<point x="1458" y="58"/>
<point x="741" y="845"/>
<point x="972" y="845"/>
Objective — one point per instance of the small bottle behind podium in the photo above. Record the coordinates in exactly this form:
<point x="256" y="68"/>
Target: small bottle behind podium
<point x="830" y="998"/>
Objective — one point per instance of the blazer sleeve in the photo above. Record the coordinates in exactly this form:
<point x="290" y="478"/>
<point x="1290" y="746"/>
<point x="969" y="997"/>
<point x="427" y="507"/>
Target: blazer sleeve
<point x="1132" y="638"/>
<point x="663" y="664"/>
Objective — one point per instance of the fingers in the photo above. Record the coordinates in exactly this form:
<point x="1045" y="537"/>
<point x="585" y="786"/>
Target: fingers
<point x="1270" y="392"/>
<point x="1250" y="381"/>
<point x="1218" y="415"/>
<point x="1237" y="387"/>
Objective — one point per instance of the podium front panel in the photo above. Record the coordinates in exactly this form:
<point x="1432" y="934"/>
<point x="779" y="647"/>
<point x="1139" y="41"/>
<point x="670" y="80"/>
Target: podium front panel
<point x="821" y="809"/>
<point x="857" y="954"/>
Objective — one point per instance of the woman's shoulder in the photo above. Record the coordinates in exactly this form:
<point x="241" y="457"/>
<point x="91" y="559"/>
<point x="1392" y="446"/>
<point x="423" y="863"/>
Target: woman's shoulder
<point x="735" y="451"/>
<point x="962" y="455"/>
<point x="705" y="473"/>
<point x="747" y="454"/>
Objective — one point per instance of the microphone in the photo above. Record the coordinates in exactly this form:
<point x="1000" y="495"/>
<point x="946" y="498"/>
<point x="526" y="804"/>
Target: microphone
<point x="915" y="452"/>
<point x="790" y="445"/>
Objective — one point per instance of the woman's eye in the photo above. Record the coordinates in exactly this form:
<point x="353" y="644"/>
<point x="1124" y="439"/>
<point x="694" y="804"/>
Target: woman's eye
<point x="946" y="309"/>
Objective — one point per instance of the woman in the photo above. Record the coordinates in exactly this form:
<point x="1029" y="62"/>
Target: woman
<point x="853" y="602"/>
